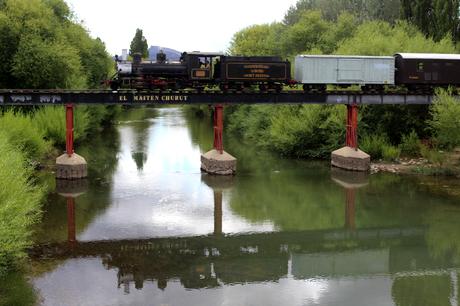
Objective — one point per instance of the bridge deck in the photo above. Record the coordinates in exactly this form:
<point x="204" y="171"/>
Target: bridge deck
<point x="47" y="97"/>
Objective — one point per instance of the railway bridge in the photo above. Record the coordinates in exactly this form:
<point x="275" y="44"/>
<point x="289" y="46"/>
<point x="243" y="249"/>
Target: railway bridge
<point x="217" y="161"/>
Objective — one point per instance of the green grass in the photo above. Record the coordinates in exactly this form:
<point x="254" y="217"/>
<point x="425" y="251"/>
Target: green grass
<point x="16" y="290"/>
<point x="19" y="204"/>
<point x="22" y="134"/>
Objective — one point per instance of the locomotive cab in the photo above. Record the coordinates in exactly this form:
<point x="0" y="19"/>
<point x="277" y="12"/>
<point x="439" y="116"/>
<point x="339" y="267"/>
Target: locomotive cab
<point x="202" y="67"/>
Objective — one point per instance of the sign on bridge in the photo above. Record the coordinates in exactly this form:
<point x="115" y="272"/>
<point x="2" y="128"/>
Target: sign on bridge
<point x="56" y="97"/>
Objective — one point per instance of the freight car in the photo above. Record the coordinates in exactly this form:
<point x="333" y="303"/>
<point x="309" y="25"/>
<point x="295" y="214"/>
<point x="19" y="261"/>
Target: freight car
<point x="413" y="72"/>
<point x="315" y="72"/>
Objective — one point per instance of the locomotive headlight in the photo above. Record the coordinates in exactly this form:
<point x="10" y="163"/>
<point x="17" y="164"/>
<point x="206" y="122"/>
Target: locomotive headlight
<point x="124" y="68"/>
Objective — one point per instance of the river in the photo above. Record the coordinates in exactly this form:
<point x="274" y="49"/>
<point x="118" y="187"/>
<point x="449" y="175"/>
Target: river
<point x="148" y="228"/>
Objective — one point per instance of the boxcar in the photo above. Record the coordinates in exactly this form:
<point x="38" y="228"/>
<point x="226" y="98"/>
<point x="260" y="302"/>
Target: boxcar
<point x="344" y="70"/>
<point x="427" y="69"/>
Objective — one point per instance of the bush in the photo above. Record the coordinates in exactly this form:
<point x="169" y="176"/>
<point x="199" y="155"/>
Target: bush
<point x="390" y="153"/>
<point x="51" y="120"/>
<point x="374" y="144"/>
<point x="445" y="123"/>
<point x="19" y="204"/>
<point x="410" y="144"/>
<point x="307" y="130"/>
<point x="24" y="135"/>
<point x="433" y="156"/>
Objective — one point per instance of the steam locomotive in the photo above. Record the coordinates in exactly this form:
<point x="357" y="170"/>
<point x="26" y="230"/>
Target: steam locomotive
<point x="198" y="70"/>
<point x="413" y="72"/>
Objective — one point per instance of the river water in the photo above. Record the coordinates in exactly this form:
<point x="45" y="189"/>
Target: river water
<point x="148" y="228"/>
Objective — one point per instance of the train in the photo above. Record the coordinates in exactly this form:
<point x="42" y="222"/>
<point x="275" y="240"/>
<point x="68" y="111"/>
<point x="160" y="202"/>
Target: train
<point x="413" y="72"/>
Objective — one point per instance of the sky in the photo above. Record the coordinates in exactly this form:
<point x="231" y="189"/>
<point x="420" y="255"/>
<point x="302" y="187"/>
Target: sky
<point x="184" y="25"/>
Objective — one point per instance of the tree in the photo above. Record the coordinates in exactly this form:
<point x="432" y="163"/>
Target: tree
<point x="43" y="47"/>
<point x="387" y="10"/>
<point x="139" y="44"/>
<point x="435" y="18"/>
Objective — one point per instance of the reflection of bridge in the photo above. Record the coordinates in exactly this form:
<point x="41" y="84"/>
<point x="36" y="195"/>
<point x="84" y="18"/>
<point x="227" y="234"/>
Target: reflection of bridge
<point x="217" y="259"/>
<point x="208" y="261"/>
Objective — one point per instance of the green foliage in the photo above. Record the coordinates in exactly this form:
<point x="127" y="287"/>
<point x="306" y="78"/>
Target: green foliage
<point x="38" y="64"/>
<point x="43" y="47"/>
<point x="381" y="38"/>
<point x="16" y="290"/>
<point x="391" y="153"/>
<point x="445" y="123"/>
<point x="307" y="130"/>
<point x="435" y="18"/>
<point x="433" y="156"/>
<point x="387" y="10"/>
<point x="19" y="204"/>
<point x="410" y="144"/>
<point x="23" y="134"/>
<point x="299" y="131"/>
<point x="139" y="44"/>
<point x="258" y="40"/>
<point x="51" y="120"/>
<point x="374" y="145"/>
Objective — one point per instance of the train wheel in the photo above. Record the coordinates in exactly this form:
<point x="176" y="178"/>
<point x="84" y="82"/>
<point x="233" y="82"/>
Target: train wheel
<point x="114" y="85"/>
<point x="263" y="88"/>
<point x="306" y="87"/>
<point x="223" y="87"/>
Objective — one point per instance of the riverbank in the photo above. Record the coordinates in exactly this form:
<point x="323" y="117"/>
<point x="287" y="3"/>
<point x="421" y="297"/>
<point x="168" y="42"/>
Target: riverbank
<point x="448" y="164"/>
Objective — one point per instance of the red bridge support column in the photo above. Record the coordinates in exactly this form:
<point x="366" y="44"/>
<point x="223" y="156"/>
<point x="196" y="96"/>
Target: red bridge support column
<point x="70" y="165"/>
<point x="71" y="231"/>
<point x="217" y="161"/>
<point x="352" y="126"/>
<point x="351" y="157"/>
<point x="69" y="129"/>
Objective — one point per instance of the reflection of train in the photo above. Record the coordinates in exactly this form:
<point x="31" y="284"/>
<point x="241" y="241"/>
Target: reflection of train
<point x="415" y="72"/>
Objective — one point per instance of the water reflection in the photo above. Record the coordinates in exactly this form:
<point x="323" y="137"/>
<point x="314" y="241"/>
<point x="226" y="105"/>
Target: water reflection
<point x="280" y="233"/>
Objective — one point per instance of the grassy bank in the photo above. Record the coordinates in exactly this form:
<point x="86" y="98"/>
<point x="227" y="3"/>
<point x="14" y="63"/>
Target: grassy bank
<point x="20" y="202"/>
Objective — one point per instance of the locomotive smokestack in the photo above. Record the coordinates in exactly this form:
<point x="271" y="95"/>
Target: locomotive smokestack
<point x="137" y="58"/>
<point x="124" y="54"/>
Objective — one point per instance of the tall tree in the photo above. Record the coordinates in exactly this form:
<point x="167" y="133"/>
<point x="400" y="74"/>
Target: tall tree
<point x="435" y="18"/>
<point x="139" y="44"/>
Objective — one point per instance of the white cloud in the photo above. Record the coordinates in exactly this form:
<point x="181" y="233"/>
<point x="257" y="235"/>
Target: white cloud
<point x="206" y="25"/>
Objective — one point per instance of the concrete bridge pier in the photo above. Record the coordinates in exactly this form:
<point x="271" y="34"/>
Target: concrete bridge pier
<point x="351" y="157"/>
<point x="217" y="161"/>
<point x="70" y="165"/>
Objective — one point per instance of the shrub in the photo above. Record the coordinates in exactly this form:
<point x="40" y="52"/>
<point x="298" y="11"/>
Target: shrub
<point x="410" y="144"/>
<point x="433" y="156"/>
<point x="307" y="130"/>
<point x="19" y="203"/>
<point x="445" y="123"/>
<point x="390" y="153"/>
<point x="374" y="145"/>
<point x="51" y="120"/>
<point x="24" y="135"/>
